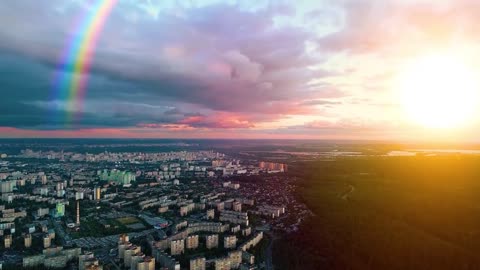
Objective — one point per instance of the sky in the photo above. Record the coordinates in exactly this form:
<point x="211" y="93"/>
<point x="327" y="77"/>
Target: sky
<point x="227" y="69"/>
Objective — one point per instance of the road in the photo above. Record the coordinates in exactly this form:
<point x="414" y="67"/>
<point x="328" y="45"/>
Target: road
<point x="114" y="264"/>
<point x="268" y="252"/>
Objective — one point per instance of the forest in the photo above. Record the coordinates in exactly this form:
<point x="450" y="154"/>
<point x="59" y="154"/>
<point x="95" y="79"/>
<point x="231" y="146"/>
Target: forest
<point x="376" y="212"/>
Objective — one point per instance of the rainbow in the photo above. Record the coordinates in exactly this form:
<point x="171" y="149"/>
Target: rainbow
<point x="76" y="60"/>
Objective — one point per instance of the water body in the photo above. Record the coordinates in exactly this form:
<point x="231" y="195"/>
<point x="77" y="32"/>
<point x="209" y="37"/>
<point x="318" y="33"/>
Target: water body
<point x="413" y="152"/>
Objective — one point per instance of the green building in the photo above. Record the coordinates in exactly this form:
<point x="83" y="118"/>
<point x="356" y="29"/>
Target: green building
<point x="60" y="210"/>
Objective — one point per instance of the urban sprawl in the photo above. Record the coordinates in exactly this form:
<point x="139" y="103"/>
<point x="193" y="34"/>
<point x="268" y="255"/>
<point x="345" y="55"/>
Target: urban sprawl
<point x="170" y="210"/>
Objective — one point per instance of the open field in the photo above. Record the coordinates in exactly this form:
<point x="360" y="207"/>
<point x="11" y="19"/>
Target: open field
<point x="128" y="220"/>
<point x="387" y="213"/>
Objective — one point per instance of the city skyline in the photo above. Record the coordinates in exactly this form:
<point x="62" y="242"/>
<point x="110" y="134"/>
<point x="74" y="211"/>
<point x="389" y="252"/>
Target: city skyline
<point x="240" y="70"/>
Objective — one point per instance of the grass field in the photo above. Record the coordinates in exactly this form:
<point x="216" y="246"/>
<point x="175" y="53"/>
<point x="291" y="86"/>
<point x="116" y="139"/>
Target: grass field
<point x="388" y="213"/>
<point x="128" y="220"/>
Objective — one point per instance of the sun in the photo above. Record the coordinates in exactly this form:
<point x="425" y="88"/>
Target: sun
<point x="439" y="91"/>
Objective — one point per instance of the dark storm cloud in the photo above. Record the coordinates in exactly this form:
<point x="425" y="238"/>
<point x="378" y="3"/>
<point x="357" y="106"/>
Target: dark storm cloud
<point x="208" y="60"/>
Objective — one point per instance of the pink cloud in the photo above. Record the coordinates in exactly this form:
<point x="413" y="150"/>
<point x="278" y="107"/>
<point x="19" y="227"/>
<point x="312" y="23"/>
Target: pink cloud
<point x="219" y="120"/>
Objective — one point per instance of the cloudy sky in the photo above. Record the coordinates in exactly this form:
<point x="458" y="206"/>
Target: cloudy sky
<point x="225" y="69"/>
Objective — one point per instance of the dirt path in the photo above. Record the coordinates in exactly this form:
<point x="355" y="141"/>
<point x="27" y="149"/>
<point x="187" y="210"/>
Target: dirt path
<point x="350" y="190"/>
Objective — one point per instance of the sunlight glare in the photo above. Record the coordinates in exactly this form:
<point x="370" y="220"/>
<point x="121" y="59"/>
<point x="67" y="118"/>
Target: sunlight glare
<point x="439" y="91"/>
